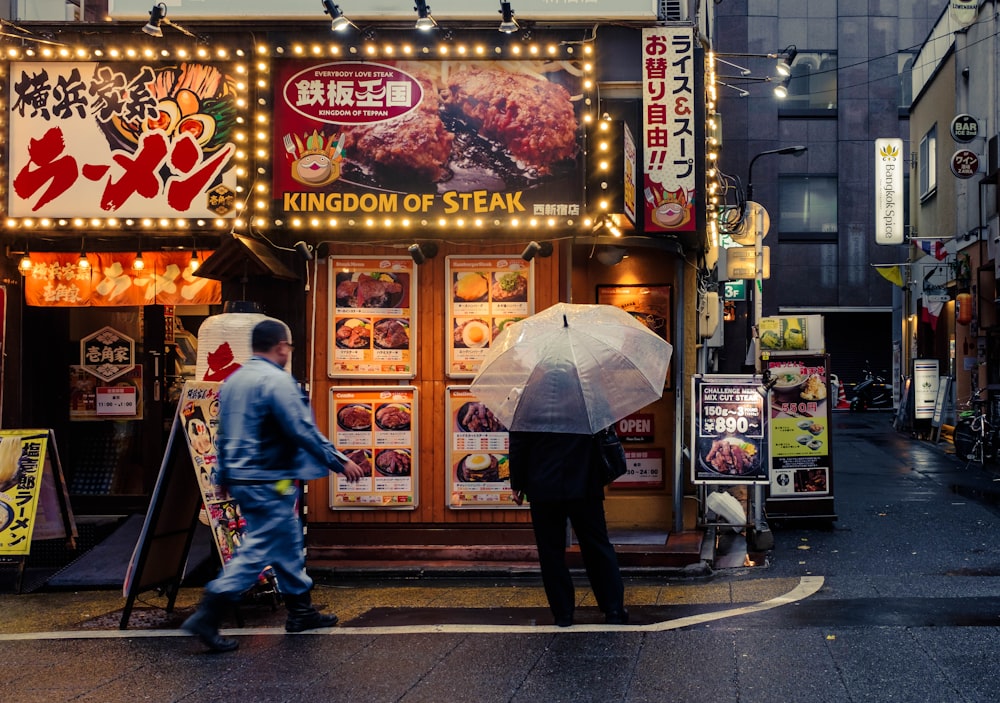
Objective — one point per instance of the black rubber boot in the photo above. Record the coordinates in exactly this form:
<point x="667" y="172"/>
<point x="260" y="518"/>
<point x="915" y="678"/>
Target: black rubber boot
<point x="204" y="624"/>
<point x="303" y="616"/>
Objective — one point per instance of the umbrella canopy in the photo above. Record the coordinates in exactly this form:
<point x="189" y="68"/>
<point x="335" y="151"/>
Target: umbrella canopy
<point x="572" y="368"/>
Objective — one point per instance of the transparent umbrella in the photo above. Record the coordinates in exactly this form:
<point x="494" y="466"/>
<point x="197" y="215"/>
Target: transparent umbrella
<point x="572" y="368"/>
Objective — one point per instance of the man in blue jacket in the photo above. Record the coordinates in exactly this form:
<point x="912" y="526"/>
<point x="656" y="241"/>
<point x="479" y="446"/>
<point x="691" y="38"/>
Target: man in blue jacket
<point x="267" y="441"/>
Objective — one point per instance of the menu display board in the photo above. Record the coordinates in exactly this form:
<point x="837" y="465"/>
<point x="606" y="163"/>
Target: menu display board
<point x="477" y="456"/>
<point x="373" y="317"/>
<point x="485" y="294"/>
<point x="377" y="428"/>
<point x="199" y="415"/>
<point x="22" y="461"/>
<point x="800" y="427"/>
<point x="728" y="430"/>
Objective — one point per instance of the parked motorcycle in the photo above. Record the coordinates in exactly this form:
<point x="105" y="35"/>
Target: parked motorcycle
<point x="871" y="392"/>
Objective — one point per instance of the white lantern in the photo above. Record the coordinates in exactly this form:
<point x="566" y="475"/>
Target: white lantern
<point x="224" y="343"/>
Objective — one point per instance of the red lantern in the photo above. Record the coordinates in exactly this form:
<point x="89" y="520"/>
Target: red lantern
<point x="963" y="308"/>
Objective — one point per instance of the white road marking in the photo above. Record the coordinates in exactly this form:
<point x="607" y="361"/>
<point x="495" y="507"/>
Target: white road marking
<point x="808" y="585"/>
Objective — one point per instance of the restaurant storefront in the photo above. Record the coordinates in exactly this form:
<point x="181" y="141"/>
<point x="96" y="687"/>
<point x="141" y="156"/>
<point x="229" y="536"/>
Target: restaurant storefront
<point x="397" y="204"/>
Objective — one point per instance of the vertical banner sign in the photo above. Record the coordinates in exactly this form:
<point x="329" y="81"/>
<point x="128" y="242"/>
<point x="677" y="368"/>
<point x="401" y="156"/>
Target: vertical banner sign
<point x="199" y="414"/>
<point x="889" y="172"/>
<point x="925" y="387"/>
<point x="629" y="197"/>
<point x="373" y="317"/>
<point x="376" y="427"/>
<point x="800" y="427"/>
<point x="728" y="430"/>
<point x="22" y="458"/>
<point x="122" y="139"/>
<point x="477" y="454"/>
<point x="668" y="104"/>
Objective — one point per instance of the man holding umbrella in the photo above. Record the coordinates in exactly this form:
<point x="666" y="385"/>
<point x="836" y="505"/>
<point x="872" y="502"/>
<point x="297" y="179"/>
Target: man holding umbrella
<point x="558" y="473"/>
<point x="555" y="379"/>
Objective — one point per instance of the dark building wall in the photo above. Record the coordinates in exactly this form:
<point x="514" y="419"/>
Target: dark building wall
<point x="833" y="271"/>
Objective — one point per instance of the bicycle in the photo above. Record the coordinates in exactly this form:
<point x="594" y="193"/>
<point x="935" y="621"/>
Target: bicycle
<point x="975" y="437"/>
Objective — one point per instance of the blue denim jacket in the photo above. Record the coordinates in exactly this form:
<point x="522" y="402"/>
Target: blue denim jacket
<point x="266" y="428"/>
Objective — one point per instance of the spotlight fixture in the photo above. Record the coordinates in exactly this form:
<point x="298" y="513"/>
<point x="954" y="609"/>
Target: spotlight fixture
<point x="781" y="89"/>
<point x="304" y="249"/>
<point x="157" y="18"/>
<point x="339" y="23"/>
<point x="611" y="256"/>
<point x="424" y="20"/>
<point x="508" y="25"/>
<point x="784" y="65"/>
<point x="421" y="252"/>
<point x="529" y="251"/>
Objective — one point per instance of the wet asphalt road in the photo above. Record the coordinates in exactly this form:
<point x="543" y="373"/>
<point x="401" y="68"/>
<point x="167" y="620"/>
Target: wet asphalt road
<point x="898" y="600"/>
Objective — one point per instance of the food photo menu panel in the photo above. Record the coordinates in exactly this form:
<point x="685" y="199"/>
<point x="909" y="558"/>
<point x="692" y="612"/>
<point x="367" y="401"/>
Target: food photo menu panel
<point x="373" y="317"/>
<point x="377" y="429"/>
<point x="485" y="294"/>
<point x="477" y="457"/>
<point x="728" y="430"/>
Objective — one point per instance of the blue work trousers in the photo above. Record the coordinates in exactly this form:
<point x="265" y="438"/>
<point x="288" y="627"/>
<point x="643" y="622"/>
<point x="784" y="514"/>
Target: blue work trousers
<point x="273" y="538"/>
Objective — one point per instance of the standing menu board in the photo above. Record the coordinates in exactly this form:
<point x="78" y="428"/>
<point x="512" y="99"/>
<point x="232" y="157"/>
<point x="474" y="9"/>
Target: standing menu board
<point x="477" y="456"/>
<point x="199" y="415"/>
<point x="728" y="430"/>
<point x="373" y="317"/>
<point x="22" y="461"/>
<point x="801" y="482"/>
<point x="485" y="294"/>
<point x="376" y="427"/>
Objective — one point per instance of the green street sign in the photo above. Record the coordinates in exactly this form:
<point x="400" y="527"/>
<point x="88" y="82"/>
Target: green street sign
<point x="735" y="290"/>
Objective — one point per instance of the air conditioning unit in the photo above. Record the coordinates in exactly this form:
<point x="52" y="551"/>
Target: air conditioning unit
<point x="673" y="10"/>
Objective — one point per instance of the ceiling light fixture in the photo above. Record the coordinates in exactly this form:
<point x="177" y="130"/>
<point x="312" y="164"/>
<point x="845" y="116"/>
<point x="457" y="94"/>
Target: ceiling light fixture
<point x="25" y="263"/>
<point x="138" y="264"/>
<point x="424" y="20"/>
<point x="508" y="25"/>
<point x="83" y="262"/>
<point x="338" y="23"/>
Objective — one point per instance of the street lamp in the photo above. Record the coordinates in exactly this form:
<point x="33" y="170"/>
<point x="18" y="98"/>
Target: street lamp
<point x="758" y="245"/>
<point x="762" y="537"/>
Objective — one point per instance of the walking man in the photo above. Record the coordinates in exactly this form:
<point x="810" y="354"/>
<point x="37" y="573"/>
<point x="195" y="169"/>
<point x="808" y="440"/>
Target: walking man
<point x="267" y="441"/>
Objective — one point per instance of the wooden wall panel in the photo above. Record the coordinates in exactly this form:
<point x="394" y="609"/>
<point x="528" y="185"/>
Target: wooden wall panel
<point x="431" y="383"/>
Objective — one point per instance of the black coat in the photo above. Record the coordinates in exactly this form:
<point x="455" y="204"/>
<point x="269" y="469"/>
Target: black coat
<point x="555" y="466"/>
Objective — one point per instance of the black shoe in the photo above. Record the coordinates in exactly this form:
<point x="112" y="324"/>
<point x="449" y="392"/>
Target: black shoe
<point x="204" y="625"/>
<point x="303" y="616"/>
<point x="312" y="621"/>
<point x="616" y="617"/>
<point x="564" y="621"/>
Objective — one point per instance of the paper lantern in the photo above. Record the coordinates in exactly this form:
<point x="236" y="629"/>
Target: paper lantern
<point x="963" y="308"/>
<point x="224" y="343"/>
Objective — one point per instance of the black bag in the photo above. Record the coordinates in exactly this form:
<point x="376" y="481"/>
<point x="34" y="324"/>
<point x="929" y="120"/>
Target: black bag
<point x="612" y="454"/>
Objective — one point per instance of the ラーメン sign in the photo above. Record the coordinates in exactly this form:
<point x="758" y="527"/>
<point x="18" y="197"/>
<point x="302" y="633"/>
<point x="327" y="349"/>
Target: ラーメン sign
<point x="889" y="174"/>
